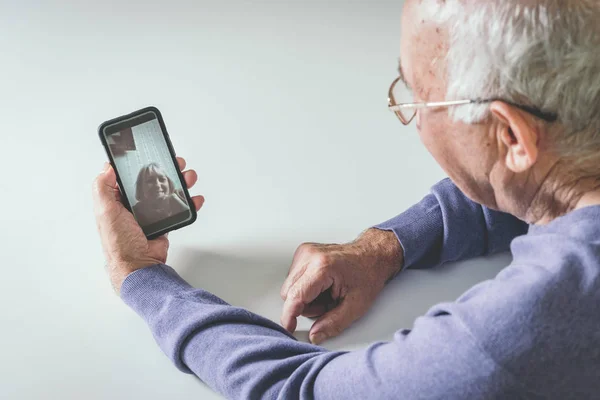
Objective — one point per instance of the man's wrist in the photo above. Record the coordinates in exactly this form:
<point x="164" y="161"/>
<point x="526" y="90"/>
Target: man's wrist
<point x="382" y="250"/>
<point x="119" y="271"/>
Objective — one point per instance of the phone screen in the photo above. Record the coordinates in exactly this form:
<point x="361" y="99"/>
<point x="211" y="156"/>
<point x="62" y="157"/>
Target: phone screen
<point x="147" y="172"/>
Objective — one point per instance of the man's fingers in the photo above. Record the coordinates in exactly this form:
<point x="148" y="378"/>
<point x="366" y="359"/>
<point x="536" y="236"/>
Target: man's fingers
<point x="297" y="269"/>
<point x="300" y="264"/>
<point x="303" y="292"/>
<point x="337" y="320"/>
<point x="314" y="310"/>
<point x="181" y="162"/>
<point x="323" y="303"/>
<point x="292" y="309"/>
<point x="198" y="202"/>
<point x="190" y="177"/>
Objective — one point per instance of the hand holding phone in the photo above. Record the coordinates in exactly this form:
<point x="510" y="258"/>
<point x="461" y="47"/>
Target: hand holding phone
<point x="125" y="245"/>
<point x="151" y="183"/>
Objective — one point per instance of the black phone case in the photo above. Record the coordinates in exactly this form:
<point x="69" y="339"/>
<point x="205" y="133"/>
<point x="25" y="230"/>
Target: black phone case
<point x="173" y="158"/>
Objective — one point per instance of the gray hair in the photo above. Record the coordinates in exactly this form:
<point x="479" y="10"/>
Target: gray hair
<point x="543" y="53"/>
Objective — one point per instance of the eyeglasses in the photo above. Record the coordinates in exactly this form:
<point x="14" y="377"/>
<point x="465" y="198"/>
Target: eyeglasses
<point x="406" y="111"/>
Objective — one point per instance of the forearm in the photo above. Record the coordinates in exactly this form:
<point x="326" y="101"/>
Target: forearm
<point x="235" y="352"/>
<point x="253" y="361"/>
<point x="243" y="355"/>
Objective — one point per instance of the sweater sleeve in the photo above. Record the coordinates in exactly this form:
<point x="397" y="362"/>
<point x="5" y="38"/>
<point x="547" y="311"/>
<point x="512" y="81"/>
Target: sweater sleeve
<point x="447" y="226"/>
<point x="244" y="356"/>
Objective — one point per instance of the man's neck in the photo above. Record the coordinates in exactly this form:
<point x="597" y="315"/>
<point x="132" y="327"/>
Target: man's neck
<point x="552" y="204"/>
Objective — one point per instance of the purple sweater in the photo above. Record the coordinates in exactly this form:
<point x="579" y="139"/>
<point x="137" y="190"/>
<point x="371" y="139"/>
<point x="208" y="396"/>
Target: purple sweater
<point x="532" y="332"/>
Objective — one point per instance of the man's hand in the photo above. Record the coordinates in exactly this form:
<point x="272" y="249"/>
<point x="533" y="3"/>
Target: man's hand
<point x="338" y="283"/>
<point x="125" y="245"/>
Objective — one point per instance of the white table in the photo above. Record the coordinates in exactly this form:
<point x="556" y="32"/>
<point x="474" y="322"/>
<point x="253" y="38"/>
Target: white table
<point x="279" y="105"/>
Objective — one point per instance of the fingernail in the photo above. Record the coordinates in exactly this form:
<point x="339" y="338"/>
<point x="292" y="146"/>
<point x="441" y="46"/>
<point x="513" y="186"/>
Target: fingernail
<point x="106" y="165"/>
<point x="318" y="338"/>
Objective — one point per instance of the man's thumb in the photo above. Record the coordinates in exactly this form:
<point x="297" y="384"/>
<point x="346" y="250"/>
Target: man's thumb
<point x="335" y="321"/>
<point x="105" y="188"/>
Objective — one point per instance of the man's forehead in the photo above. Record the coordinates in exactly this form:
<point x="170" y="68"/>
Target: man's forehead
<point x="423" y="50"/>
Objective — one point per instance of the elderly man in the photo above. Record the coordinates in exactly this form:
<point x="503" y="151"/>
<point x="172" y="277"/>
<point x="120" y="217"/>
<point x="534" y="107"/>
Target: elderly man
<point x="506" y="97"/>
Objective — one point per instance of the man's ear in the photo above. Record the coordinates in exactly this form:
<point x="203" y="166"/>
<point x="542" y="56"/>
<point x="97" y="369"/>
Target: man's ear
<point x="518" y="134"/>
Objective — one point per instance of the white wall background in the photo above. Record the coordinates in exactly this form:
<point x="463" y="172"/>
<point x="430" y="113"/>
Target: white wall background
<point x="281" y="108"/>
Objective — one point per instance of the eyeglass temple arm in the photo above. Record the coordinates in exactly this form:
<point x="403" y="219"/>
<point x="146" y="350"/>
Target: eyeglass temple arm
<point x="400" y="107"/>
<point x="550" y="117"/>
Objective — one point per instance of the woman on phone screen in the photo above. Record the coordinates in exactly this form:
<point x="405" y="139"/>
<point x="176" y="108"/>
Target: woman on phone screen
<point x="156" y="196"/>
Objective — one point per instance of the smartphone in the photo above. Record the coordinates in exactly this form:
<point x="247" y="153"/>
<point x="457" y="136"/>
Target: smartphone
<point x="152" y="186"/>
